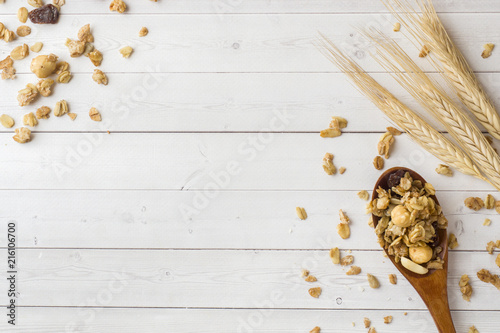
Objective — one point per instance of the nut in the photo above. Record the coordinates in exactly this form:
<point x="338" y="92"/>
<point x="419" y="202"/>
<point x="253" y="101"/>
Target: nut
<point x="43" y="65"/>
<point x="310" y="278"/>
<point x="347" y="260"/>
<point x="397" y="27"/>
<point x="388" y="320"/>
<point x="37" y="47"/>
<point x="465" y="287"/>
<point x="126" y="51"/>
<point x="29" y="119"/>
<point x="363" y="195"/>
<point x="373" y="281"/>
<point x="315" y="330"/>
<point x="23" y="31"/>
<point x="421" y="254"/>
<point x="118" y="6"/>
<point x="393" y="279"/>
<point x="335" y="255"/>
<point x="143" y="32"/>
<point x="424" y="51"/>
<point x="315" y="292"/>
<point x="23" y="135"/>
<point x="22" y="14"/>
<point x="489" y="202"/>
<point x="488" y="48"/>
<point x="27" y="95"/>
<point x="75" y="47"/>
<point x="20" y="52"/>
<point x="354" y="270"/>
<point x="96" y="57"/>
<point x="61" y="108"/>
<point x="100" y="77"/>
<point x="343" y="230"/>
<point x="328" y="165"/>
<point x="35" y="3"/>
<point x="301" y="213"/>
<point x="413" y="267"/>
<point x="43" y="112"/>
<point x="6" y="121"/>
<point x="444" y="170"/>
<point x="378" y="163"/>
<point x="452" y="242"/>
<point x="474" y="203"/>
<point x="84" y="34"/>
<point x="64" y="77"/>
<point x="44" y="86"/>
<point x="330" y="133"/>
<point x="96" y="116"/>
<point x="72" y="115"/>
<point x="400" y="216"/>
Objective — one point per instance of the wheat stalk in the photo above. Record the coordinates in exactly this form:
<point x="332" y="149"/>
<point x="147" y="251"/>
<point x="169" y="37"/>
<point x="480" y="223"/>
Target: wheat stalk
<point x="428" y="29"/>
<point x="416" y="127"/>
<point x="430" y="95"/>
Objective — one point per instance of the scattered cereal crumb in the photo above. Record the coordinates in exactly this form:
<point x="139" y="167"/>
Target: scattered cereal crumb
<point x="497" y="260"/>
<point x="473" y="329"/>
<point x="372" y="330"/>
<point x="304" y="273"/>
<point x="444" y="170"/>
<point x="118" y="6"/>
<point x="342" y="170"/>
<point x="424" y="52"/>
<point x="465" y="287"/>
<point x="487" y="222"/>
<point x="94" y="114"/>
<point x="363" y="195"/>
<point x="378" y="163"/>
<point x="310" y="278"/>
<point x="384" y="144"/>
<point x="394" y="131"/>
<point x="22" y="135"/>
<point x="335" y="255"/>
<point x="328" y="165"/>
<point x="393" y="279"/>
<point x="452" y="241"/>
<point x="301" y="213"/>
<point x="347" y="260"/>
<point x="72" y="115"/>
<point x="315" y="330"/>
<point x="126" y="51"/>
<point x="388" y="320"/>
<point x="367" y="322"/>
<point x="489" y="202"/>
<point x="488" y="49"/>
<point x="474" y="203"/>
<point x="143" y="32"/>
<point x="405" y="313"/>
<point x="485" y="276"/>
<point x="397" y="27"/>
<point x="373" y="281"/>
<point x="354" y="270"/>
<point x="315" y="292"/>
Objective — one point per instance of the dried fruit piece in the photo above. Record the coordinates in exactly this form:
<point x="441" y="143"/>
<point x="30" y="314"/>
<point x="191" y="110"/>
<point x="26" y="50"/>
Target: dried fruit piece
<point x="444" y="170"/>
<point x="47" y="14"/>
<point x="72" y="115"/>
<point x="94" y="114"/>
<point x="43" y="112"/>
<point x="44" y="65"/>
<point x="29" y="119"/>
<point x="22" y="14"/>
<point x="373" y="281"/>
<point x="485" y="276"/>
<point x="343" y="230"/>
<point x="489" y="202"/>
<point x="96" y="57"/>
<point x="6" y="121"/>
<point x="22" y="135"/>
<point x="354" y="270"/>
<point x="328" y="165"/>
<point x="397" y="27"/>
<point x="310" y="278"/>
<point x="347" y="260"/>
<point x="20" y="52"/>
<point x="452" y="241"/>
<point x="100" y="77"/>
<point x="75" y="47"/>
<point x="388" y="320"/>
<point x="315" y="292"/>
<point x="64" y="77"/>
<point x="474" y="203"/>
<point x="143" y="32"/>
<point x="488" y="49"/>
<point x="84" y="34"/>
<point x="37" y="47"/>
<point x="393" y="279"/>
<point x="367" y="322"/>
<point x="315" y="330"/>
<point x="335" y="255"/>
<point x="341" y="170"/>
<point x="384" y="144"/>
<point x="424" y="51"/>
<point x="23" y="31"/>
<point x="378" y="163"/>
<point x="118" y="6"/>
<point x="126" y="51"/>
<point x="301" y="213"/>
<point x="61" y="108"/>
<point x="44" y="86"/>
<point x="27" y="95"/>
<point x="394" y="131"/>
<point x="465" y="287"/>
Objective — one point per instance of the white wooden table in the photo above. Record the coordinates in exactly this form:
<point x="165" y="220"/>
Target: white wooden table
<point x="129" y="231"/>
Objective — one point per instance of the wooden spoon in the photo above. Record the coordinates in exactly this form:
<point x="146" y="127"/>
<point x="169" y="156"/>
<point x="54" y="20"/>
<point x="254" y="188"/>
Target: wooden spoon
<point x="432" y="287"/>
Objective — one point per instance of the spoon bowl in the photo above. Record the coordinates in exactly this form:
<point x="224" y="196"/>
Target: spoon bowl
<point x="432" y="286"/>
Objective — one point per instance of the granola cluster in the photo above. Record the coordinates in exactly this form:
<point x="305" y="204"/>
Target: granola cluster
<point x="409" y="220"/>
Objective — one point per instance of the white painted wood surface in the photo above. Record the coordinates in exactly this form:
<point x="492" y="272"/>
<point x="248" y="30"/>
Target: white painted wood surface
<point x="130" y="232"/>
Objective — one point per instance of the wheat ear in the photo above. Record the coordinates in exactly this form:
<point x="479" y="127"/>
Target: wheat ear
<point x="430" y="95"/>
<point x="417" y="128"/>
<point x="428" y="29"/>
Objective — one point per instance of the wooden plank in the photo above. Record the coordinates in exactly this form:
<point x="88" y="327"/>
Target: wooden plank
<point x="170" y="102"/>
<point x="232" y="220"/>
<point x="276" y="43"/>
<point x="229" y="279"/>
<point x="256" y="161"/>
<point x="266" y="320"/>
<point x="223" y="7"/>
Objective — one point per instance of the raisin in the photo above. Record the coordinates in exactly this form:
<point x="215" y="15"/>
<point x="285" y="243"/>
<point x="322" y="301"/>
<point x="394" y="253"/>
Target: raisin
<point x="395" y="178"/>
<point x="435" y="239"/>
<point x="47" y="14"/>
